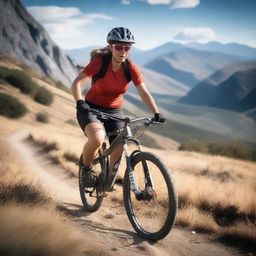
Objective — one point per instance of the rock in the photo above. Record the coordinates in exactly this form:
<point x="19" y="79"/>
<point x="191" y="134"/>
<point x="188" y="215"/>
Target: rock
<point x="23" y="38"/>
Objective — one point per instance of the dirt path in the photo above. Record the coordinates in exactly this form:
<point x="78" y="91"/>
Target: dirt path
<point x="109" y="225"/>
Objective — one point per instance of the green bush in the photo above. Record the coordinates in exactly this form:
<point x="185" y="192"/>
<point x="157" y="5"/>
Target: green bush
<point x="21" y="80"/>
<point x="234" y="149"/>
<point x="63" y="87"/>
<point x="217" y="148"/>
<point x="4" y="72"/>
<point x="238" y="149"/>
<point x="42" y="117"/>
<point x="11" y="107"/>
<point x="194" y="145"/>
<point x="43" y="96"/>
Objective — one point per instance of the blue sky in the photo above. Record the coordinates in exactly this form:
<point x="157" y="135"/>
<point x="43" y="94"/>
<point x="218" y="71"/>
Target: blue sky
<point x="81" y="23"/>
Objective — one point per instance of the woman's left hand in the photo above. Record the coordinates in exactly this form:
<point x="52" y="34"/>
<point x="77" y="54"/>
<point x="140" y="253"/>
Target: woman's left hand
<point x="159" y="118"/>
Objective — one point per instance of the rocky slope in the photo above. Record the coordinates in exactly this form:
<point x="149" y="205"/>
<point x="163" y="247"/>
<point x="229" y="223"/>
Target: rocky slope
<point x="23" y="38"/>
<point x="231" y="88"/>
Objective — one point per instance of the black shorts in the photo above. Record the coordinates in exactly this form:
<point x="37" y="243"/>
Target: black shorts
<point x="109" y="125"/>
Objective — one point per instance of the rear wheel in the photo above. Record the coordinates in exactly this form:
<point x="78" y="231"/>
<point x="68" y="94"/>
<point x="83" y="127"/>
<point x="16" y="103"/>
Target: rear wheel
<point x="91" y="197"/>
<point x="151" y="212"/>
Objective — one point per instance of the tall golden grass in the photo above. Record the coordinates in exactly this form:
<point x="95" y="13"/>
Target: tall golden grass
<point x="30" y="223"/>
<point x="216" y="194"/>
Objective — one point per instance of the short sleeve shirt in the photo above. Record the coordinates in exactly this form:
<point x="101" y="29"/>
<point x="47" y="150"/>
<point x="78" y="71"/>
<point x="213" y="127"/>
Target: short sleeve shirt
<point x="108" y="91"/>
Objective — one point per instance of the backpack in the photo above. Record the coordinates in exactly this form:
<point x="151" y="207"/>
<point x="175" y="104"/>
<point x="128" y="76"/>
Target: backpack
<point x="106" y="59"/>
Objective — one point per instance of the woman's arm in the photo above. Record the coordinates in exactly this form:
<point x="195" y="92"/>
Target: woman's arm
<point x="147" y="97"/>
<point x="76" y="86"/>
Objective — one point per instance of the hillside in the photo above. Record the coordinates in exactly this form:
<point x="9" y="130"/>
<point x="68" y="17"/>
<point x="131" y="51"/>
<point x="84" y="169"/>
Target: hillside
<point x="39" y="178"/>
<point x="229" y="48"/>
<point x="23" y="38"/>
<point x="190" y="66"/>
<point x="158" y="83"/>
<point x="229" y="88"/>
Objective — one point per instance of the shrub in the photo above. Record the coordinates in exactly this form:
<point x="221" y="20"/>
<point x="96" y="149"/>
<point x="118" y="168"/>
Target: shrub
<point x="217" y="148"/>
<point x="233" y="148"/>
<point x="238" y="149"/>
<point x="21" y="80"/>
<point x="11" y="107"/>
<point x="194" y="145"/>
<point x="43" y="96"/>
<point x="71" y="157"/>
<point x="63" y="87"/>
<point x="42" y="117"/>
<point x="4" y="72"/>
<point x="23" y="194"/>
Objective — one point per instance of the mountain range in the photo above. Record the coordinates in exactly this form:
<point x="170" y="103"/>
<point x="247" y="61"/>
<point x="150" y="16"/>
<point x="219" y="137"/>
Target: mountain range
<point x="230" y="88"/>
<point x="23" y="38"/>
<point x="212" y="75"/>
<point x="190" y="66"/>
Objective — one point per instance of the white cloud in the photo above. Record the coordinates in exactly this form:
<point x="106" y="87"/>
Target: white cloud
<point x="195" y="34"/>
<point x="184" y="3"/>
<point x="66" y="25"/>
<point x="159" y="1"/>
<point x="125" y="2"/>
<point x="175" y="3"/>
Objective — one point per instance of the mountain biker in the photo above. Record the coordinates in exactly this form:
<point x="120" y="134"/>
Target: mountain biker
<point x="106" y="94"/>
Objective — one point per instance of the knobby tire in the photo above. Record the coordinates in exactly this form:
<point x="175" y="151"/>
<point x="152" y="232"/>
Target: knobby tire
<point x="170" y="204"/>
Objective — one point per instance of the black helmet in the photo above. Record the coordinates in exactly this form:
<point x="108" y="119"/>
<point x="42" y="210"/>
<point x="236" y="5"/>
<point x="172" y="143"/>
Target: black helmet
<point x="120" y="34"/>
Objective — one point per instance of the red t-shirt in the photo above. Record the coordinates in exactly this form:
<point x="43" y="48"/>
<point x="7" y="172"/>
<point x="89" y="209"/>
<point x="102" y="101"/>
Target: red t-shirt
<point x="108" y="91"/>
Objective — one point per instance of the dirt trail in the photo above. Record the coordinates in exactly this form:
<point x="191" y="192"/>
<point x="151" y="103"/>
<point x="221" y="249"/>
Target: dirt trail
<point x="109" y="225"/>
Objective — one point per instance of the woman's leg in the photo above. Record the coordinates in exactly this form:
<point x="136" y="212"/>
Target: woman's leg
<point x="115" y="156"/>
<point x="95" y="133"/>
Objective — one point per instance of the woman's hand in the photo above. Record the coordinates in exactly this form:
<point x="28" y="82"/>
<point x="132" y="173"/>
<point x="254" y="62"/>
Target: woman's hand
<point x="159" y="118"/>
<point x="82" y="106"/>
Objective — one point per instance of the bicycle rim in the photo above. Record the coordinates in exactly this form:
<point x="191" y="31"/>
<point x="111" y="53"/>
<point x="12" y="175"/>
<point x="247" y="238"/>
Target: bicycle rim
<point x="153" y="216"/>
<point x="91" y="197"/>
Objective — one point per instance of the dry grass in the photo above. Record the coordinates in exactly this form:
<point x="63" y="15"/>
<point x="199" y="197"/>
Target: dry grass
<point x="46" y="233"/>
<point x="30" y="223"/>
<point x="216" y="194"/>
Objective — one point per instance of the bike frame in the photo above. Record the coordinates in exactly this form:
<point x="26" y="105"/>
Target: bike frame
<point x="123" y="138"/>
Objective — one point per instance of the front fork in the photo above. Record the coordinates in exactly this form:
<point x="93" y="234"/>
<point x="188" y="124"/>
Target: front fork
<point x="132" y="178"/>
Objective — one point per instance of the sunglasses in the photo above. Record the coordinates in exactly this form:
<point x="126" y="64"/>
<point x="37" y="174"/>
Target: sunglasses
<point x="119" y="48"/>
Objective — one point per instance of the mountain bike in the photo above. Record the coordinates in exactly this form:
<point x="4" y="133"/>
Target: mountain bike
<point x="148" y="190"/>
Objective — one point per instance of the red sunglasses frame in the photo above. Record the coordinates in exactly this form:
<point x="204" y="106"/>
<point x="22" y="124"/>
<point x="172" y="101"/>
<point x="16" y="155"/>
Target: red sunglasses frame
<point x="119" y="47"/>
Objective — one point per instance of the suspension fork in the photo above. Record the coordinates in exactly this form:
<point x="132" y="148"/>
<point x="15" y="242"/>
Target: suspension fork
<point x="148" y="176"/>
<point x="130" y="170"/>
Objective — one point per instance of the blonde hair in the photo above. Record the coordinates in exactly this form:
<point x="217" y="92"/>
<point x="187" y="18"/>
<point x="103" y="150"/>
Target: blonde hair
<point x="100" y="52"/>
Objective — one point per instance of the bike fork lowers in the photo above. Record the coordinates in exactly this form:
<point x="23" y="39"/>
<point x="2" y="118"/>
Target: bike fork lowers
<point x="132" y="177"/>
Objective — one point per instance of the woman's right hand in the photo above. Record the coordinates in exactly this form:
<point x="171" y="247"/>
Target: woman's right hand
<point x="82" y="106"/>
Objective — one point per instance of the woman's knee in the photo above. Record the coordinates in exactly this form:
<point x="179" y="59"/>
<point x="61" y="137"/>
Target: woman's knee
<point x="96" y="141"/>
<point x="95" y="135"/>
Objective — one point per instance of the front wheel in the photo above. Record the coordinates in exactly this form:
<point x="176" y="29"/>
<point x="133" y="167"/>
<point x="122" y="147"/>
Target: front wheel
<point x="151" y="212"/>
<point x="91" y="197"/>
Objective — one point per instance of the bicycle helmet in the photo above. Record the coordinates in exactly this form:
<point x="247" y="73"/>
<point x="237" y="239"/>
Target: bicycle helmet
<point x="120" y="34"/>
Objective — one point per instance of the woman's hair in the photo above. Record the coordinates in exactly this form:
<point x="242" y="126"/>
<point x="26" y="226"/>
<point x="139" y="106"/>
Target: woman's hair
<point x="100" y="52"/>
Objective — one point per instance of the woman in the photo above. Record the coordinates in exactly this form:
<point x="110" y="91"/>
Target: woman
<point x="106" y="94"/>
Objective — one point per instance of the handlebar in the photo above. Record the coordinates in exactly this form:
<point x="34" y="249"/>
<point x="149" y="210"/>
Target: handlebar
<point x="146" y="120"/>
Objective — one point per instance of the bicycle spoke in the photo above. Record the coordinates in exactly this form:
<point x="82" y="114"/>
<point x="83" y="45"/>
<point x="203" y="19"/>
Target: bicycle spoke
<point x="151" y="214"/>
<point x="152" y="211"/>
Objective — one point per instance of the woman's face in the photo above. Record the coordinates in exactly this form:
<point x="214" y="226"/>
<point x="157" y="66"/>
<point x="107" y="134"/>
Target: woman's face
<point x="120" y="51"/>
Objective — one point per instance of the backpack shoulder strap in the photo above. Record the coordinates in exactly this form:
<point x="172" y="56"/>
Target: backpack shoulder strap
<point x="106" y="59"/>
<point x="127" y="71"/>
<point x="103" y="69"/>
